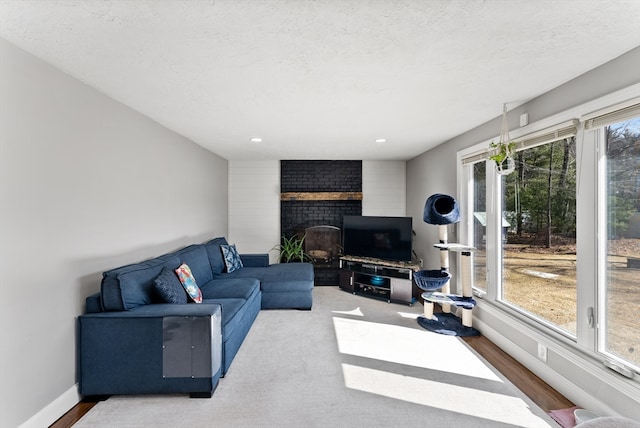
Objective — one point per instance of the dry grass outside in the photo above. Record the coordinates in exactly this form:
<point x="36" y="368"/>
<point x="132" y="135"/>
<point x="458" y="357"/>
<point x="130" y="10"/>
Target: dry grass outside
<point x="623" y="305"/>
<point x="543" y="282"/>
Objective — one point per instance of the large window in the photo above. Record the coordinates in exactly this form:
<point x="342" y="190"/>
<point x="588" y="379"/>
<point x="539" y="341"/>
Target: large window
<point x="539" y="234"/>
<point x="559" y="238"/>
<point x="620" y="336"/>
<point x="480" y="224"/>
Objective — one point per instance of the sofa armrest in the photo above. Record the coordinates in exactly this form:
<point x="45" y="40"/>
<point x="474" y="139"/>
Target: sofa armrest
<point x="159" y="348"/>
<point x="160" y="310"/>
<point x="255" y="260"/>
<point x="93" y="303"/>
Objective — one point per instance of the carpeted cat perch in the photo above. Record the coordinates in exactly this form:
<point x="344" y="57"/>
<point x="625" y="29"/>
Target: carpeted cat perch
<point x="442" y="210"/>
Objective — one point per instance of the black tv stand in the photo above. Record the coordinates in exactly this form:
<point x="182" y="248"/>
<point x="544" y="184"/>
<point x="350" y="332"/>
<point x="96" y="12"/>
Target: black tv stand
<point x="381" y="279"/>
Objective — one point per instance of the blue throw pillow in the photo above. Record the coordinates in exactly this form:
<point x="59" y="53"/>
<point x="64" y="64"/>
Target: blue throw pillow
<point x="169" y="287"/>
<point x="231" y="258"/>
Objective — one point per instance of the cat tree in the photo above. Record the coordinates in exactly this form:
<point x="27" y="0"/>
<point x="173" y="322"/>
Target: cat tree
<point x="442" y="210"/>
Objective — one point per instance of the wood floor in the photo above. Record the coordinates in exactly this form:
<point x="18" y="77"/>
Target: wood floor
<point x="524" y="379"/>
<point x="535" y="388"/>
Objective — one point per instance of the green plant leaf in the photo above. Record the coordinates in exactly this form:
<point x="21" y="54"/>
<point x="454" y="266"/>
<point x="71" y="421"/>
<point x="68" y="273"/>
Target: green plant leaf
<point x="291" y="249"/>
<point x="502" y="151"/>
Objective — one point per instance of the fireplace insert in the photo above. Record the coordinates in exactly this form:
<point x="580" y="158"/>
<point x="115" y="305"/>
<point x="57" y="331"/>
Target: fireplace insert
<point x="322" y="243"/>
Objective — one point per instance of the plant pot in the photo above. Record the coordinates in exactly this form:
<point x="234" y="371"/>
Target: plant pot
<point x="506" y="167"/>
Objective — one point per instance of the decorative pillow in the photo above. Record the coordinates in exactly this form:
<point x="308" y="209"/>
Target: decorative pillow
<point x="189" y="283"/>
<point x="169" y="287"/>
<point x="231" y="258"/>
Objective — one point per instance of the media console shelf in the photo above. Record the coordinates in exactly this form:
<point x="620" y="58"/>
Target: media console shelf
<point x="381" y="279"/>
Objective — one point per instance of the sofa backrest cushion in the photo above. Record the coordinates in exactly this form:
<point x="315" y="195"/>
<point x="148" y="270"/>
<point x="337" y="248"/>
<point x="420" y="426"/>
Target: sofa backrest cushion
<point x="198" y="260"/>
<point x="131" y="286"/>
<point x="215" y="255"/>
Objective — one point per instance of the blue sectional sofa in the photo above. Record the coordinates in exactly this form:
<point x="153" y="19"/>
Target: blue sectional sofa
<point x="131" y="342"/>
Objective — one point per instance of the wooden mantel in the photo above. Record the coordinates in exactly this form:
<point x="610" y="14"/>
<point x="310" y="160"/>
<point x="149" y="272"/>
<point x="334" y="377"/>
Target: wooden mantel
<point x="321" y="196"/>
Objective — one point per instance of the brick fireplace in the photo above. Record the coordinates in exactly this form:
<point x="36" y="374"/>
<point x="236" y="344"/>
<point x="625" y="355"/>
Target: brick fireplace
<point x="319" y="193"/>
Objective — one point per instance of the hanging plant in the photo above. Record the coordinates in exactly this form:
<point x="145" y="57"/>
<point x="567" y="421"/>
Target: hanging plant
<point x="503" y="157"/>
<point x="503" y="150"/>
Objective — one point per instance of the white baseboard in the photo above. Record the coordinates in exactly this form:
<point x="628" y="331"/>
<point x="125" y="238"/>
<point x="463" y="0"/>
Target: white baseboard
<point x="54" y="410"/>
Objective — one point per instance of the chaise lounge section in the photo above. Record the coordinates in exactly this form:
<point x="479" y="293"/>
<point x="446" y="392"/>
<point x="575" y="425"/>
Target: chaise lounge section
<point x="131" y="341"/>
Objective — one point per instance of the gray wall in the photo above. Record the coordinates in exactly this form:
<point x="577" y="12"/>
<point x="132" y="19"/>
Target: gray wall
<point x="435" y="172"/>
<point x="86" y="184"/>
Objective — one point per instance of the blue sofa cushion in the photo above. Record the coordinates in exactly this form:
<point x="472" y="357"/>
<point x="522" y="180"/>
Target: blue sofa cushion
<point x="279" y="277"/>
<point x="288" y="277"/>
<point x="130" y="286"/>
<point x="198" y="260"/>
<point x="231" y="257"/>
<point x="169" y="287"/>
<point x="215" y="254"/>
<point x="255" y="260"/>
<point x="232" y="312"/>
<point x="246" y="272"/>
<point x="242" y="288"/>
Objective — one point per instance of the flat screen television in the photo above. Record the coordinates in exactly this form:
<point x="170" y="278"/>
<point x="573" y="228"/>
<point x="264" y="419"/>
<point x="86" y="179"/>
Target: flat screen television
<point x="386" y="238"/>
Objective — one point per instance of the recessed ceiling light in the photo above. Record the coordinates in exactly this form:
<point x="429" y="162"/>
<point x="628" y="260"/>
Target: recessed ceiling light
<point x="381" y="140"/>
<point x="256" y="140"/>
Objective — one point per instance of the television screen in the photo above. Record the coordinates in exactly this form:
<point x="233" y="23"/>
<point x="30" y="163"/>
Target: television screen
<point x="386" y="238"/>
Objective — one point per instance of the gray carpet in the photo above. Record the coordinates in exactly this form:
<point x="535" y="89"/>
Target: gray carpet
<point x="349" y="362"/>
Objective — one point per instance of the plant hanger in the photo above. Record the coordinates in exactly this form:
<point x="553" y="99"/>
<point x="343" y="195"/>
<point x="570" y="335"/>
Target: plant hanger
<point x="504" y="149"/>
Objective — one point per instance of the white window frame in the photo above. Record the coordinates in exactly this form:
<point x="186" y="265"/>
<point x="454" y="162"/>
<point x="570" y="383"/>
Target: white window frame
<point x="589" y="220"/>
<point x="594" y="131"/>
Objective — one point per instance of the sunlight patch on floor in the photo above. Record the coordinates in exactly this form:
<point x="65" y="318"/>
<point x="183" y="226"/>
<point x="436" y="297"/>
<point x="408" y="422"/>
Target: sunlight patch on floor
<point x="356" y="312"/>
<point x="454" y="398"/>
<point x="413" y="347"/>
<point x="409" y="315"/>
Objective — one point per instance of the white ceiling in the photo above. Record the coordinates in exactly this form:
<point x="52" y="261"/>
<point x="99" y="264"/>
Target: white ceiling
<point x="322" y="79"/>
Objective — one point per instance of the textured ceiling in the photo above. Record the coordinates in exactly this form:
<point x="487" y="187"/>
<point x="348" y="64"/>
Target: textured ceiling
<point x="322" y="79"/>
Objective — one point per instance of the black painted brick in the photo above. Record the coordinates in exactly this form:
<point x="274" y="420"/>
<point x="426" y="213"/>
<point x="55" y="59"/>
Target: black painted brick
<point x="321" y="176"/>
<point x="318" y="176"/>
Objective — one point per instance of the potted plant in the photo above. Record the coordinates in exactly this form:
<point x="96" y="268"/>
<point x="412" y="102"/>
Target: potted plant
<point x="291" y="249"/>
<point x="503" y="156"/>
